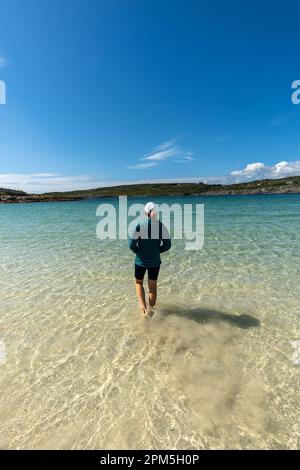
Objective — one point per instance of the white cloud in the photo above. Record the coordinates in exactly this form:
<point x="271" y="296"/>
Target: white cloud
<point x="165" y="145"/>
<point x="184" y="160"/>
<point x="165" y="151"/>
<point x="36" y="183"/>
<point x="48" y="182"/>
<point x="250" y="170"/>
<point x="261" y="171"/>
<point x="161" y="155"/>
<point x="142" y="166"/>
<point x="286" y="168"/>
<point x="2" y="61"/>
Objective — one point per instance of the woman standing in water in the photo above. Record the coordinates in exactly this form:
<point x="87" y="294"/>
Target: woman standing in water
<point x="150" y="238"/>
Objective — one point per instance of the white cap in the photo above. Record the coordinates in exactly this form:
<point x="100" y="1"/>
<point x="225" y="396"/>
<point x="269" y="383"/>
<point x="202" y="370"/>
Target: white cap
<point x="150" y="206"/>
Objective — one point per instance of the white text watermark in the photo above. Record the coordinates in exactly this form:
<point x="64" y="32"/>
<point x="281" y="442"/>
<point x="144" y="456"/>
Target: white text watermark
<point x="296" y="94"/>
<point x="182" y="221"/>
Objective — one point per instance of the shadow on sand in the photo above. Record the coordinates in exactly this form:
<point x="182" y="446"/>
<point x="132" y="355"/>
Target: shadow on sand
<point x="202" y="315"/>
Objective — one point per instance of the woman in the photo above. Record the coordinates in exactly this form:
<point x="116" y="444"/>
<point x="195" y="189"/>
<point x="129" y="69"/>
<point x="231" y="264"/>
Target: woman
<point x="149" y="240"/>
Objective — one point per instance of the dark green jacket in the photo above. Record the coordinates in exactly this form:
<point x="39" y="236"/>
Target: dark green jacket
<point x="149" y="239"/>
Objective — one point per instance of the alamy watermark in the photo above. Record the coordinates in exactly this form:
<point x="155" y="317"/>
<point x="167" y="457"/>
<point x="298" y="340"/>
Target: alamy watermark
<point x="296" y="94"/>
<point x="2" y="92"/>
<point x="182" y="221"/>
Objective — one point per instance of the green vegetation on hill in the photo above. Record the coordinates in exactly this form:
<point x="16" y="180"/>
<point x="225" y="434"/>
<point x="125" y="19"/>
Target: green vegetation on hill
<point x="270" y="186"/>
<point x="291" y="184"/>
<point x="11" y="192"/>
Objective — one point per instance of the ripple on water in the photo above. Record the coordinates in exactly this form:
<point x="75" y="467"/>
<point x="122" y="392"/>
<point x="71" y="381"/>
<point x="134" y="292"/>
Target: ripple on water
<point x="215" y="368"/>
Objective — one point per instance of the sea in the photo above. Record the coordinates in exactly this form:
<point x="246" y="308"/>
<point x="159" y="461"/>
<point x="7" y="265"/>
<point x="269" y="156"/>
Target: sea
<point x="218" y="365"/>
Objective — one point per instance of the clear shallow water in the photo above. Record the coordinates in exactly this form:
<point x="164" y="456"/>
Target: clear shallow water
<point x="79" y="368"/>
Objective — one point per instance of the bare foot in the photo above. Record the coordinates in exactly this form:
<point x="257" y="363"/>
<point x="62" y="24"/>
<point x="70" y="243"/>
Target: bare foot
<point x="150" y="311"/>
<point x="143" y="312"/>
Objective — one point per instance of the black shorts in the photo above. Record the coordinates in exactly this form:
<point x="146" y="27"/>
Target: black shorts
<point x="152" y="272"/>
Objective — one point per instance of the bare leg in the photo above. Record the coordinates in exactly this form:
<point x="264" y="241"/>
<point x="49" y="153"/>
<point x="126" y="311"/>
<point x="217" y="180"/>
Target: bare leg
<point x="141" y="295"/>
<point x="152" y="292"/>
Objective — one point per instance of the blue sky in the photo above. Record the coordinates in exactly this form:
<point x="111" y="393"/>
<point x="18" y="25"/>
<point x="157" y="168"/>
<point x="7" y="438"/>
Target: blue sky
<point x="107" y="91"/>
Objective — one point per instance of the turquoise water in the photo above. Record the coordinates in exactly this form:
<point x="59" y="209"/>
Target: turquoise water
<point x="215" y="368"/>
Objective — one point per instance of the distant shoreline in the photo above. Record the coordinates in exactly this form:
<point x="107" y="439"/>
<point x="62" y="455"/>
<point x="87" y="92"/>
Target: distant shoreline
<point x="290" y="185"/>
